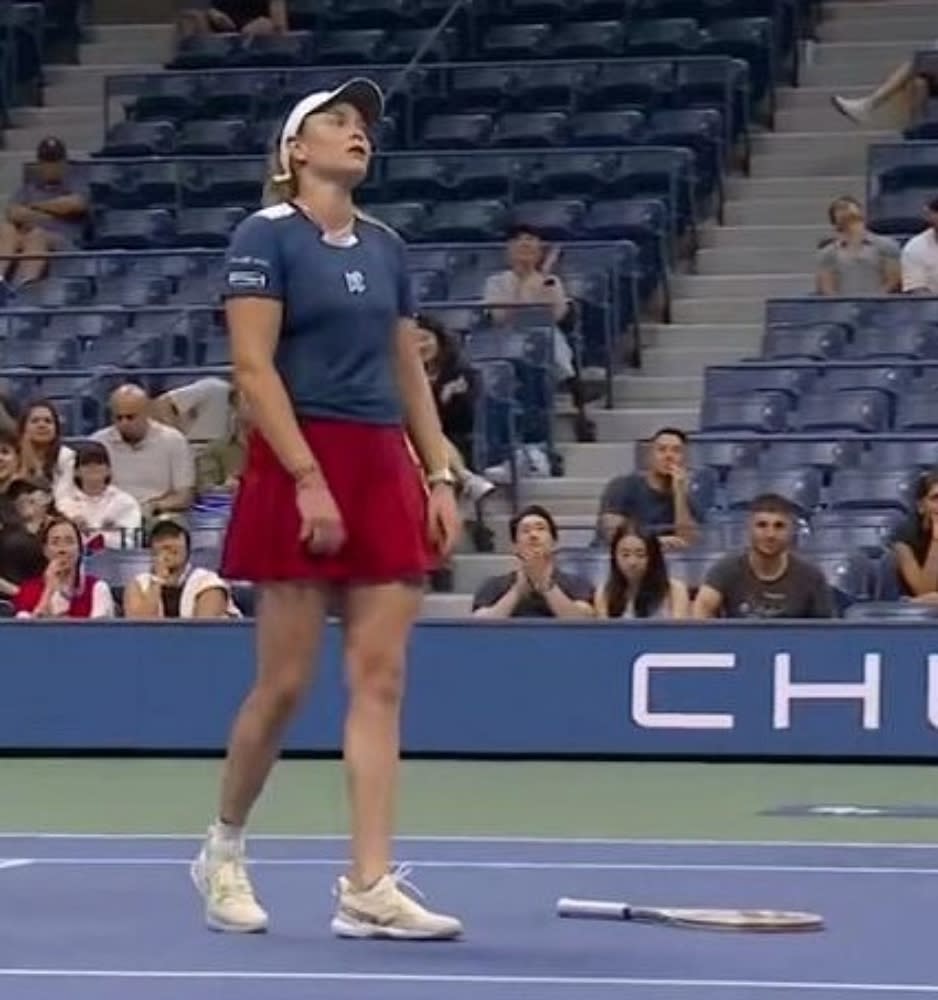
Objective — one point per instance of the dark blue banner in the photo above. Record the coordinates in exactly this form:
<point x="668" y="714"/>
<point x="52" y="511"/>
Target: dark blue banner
<point x="498" y="688"/>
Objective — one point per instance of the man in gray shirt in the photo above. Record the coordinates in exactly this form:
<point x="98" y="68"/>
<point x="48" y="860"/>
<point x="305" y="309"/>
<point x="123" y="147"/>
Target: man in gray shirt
<point x="767" y="580"/>
<point x="855" y="261"/>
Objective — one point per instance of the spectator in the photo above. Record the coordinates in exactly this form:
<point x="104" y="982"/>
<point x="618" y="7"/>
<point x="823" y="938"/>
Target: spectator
<point x="915" y="544"/>
<point x="91" y="501"/>
<point x="246" y="17"/>
<point x="202" y="410"/>
<point x="904" y="81"/>
<point x="42" y="454"/>
<point x="150" y="461"/>
<point x="920" y="257"/>
<point x="48" y="213"/>
<point x="855" y="261"/>
<point x="638" y="585"/>
<point x="536" y="588"/>
<point x="657" y="499"/>
<point x="9" y="411"/>
<point x="454" y="385"/>
<point x="63" y="590"/>
<point x="768" y="580"/>
<point x="25" y="514"/>
<point x="219" y="466"/>
<point x="9" y="460"/>
<point x="174" y="588"/>
<point x="530" y="280"/>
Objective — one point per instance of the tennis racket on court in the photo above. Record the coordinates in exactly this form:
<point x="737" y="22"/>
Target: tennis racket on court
<point x="702" y="919"/>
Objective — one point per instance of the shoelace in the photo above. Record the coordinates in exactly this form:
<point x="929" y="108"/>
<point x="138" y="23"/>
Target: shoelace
<point x="232" y="880"/>
<point x="401" y="878"/>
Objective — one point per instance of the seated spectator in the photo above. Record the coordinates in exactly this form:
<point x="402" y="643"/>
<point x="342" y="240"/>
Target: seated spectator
<point x="656" y="499"/>
<point x="454" y="385"/>
<point x="767" y="580"/>
<point x="48" y="213"/>
<point x="103" y="513"/>
<point x="42" y="454"/>
<point x="218" y="467"/>
<point x="9" y="411"/>
<point x="9" y="459"/>
<point x="920" y="257"/>
<point x="63" y="590"/>
<point x="903" y="82"/>
<point x="530" y="280"/>
<point x="638" y="585"/>
<point x="22" y="517"/>
<point x="535" y="589"/>
<point x="915" y="544"/>
<point x="855" y="261"/>
<point x="174" y="588"/>
<point x="203" y="410"/>
<point x="150" y="461"/>
<point x="246" y="17"/>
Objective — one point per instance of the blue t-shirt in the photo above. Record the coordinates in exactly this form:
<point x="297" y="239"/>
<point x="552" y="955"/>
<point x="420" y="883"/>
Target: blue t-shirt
<point x="341" y="307"/>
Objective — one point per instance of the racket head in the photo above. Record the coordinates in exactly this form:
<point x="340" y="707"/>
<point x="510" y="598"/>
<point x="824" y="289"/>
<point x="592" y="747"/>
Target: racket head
<point x="764" y="921"/>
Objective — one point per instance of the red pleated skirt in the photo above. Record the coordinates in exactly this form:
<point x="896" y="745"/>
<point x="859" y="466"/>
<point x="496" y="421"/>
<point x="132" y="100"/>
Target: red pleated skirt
<point x="380" y="494"/>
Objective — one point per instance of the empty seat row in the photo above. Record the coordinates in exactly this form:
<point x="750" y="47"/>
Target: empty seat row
<point x="852" y="314"/>
<point x="822" y="341"/>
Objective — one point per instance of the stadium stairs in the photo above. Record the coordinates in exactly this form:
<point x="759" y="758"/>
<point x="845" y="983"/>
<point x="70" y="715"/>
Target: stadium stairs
<point x="774" y="219"/>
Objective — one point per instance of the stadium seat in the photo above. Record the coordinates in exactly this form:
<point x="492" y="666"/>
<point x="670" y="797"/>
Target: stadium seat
<point x="348" y="48"/>
<point x="722" y="456"/>
<point x="147" y="138"/>
<point x="818" y="342"/>
<point x="482" y="88"/>
<point x="801" y="486"/>
<point x="743" y="379"/>
<point x="850" y="575"/>
<point x="899" y="454"/>
<point x="206" y="52"/>
<point x="861" y="411"/>
<point x="516" y="41"/>
<point x="134" y="230"/>
<point x="872" y="490"/>
<point x="213" y="183"/>
<point x="917" y="413"/>
<point x="588" y="40"/>
<point x="462" y="131"/>
<point x="207" y="227"/>
<point x="213" y="138"/>
<point x="608" y="128"/>
<point x="824" y="455"/>
<point x="531" y="129"/>
<point x="545" y="86"/>
<point x="557" y="219"/>
<point x="761" y="412"/>
<point x="465" y="221"/>
<point x="407" y="218"/>
<point x="170" y="97"/>
<point x="636" y="83"/>
<point x="294" y="48"/>
<point x="895" y="343"/>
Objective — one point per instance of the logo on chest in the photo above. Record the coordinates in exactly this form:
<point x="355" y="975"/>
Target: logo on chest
<point x="355" y="283"/>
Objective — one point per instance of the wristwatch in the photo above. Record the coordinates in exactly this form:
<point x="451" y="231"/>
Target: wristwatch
<point x="444" y="477"/>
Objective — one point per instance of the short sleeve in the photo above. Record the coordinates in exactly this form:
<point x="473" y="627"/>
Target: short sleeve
<point x="888" y="248"/>
<point x="578" y="588"/>
<point x="914" y="276"/>
<point x="720" y="575"/>
<point x="253" y="265"/>
<point x="827" y="256"/>
<point x="490" y="591"/>
<point x="618" y="497"/>
<point x="822" y="598"/>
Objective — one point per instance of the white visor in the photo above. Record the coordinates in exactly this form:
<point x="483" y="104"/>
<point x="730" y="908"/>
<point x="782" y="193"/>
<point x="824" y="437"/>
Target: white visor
<point x="365" y="95"/>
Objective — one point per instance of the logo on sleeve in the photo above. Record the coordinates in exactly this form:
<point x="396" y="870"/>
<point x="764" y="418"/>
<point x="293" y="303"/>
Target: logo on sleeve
<point x="355" y="282"/>
<point x="247" y="280"/>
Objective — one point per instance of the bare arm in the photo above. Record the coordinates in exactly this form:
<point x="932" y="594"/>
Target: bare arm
<point x="64" y="207"/>
<point x="708" y="602"/>
<point x="278" y="14"/>
<point x="826" y="281"/>
<point x="564" y="606"/>
<point x="211" y="603"/>
<point x="505" y="606"/>
<point x="420" y="412"/>
<point x="919" y="579"/>
<point x="679" y="600"/>
<point x="140" y="604"/>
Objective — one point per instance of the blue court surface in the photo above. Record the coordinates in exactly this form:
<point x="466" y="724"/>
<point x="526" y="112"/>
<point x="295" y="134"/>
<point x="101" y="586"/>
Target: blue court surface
<point x="112" y="917"/>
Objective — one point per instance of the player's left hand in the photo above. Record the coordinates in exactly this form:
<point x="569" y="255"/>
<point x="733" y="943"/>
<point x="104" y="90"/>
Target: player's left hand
<point x="443" y="521"/>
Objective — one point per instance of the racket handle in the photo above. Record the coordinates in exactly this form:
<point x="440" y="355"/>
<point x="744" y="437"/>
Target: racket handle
<point x="593" y="909"/>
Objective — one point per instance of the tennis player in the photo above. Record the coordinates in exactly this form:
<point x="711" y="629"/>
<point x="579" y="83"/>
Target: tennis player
<point x="331" y="501"/>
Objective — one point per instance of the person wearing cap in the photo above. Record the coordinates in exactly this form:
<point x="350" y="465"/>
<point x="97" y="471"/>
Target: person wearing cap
<point x="331" y="503"/>
<point x="920" y="257"/>
<point x="48" y="213"/>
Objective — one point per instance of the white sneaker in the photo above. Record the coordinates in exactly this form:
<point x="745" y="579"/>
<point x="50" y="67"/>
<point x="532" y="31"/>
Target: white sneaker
<point x="857" y="109"/>
<point x="477" y="487"/>
<point x="220" y="875"/>
<point x="386" y="911"/>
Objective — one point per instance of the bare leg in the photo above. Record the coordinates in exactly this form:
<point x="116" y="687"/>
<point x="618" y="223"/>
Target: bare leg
<point x="10" y="242"/>
<point x="902" y="80"/>
<point x="259" y="26"/>
<point x="379" y="619"/>
<point x="36" y="246"/>
<point x="290" y="622"/>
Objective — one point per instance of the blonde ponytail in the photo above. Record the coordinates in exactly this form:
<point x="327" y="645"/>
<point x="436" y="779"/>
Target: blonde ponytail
<point x="278" y="187"/>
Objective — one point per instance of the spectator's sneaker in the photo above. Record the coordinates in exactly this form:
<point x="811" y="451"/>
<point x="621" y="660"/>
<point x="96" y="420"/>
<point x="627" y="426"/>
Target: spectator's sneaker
<point x="857" y="109"/>
<point x="220" y="875"/>
<point x="387" y="911"/>
<point x="476" y="488"/>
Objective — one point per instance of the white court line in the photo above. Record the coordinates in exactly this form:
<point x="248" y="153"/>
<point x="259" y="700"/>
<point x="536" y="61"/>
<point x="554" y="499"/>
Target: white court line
<point x="638" y="866"/>
<point x="15" y="863"/>
<point x="485" y="839"/>
<point x="417" y="978"/>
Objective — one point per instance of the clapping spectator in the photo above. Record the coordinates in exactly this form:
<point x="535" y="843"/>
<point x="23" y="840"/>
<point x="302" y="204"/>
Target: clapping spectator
<point x="93" y="503"/>
<point x="42" y="454"/>
<point x="638" y="585"/>
<point x="768" y="580"/>
<point x="48" y="213"/>
<point x="657" y="499"/>
<point x="535" y="588"/>
<point x="855" y="261"/>
<point x="63" y="590"/>
<point x="150" y="461"/>
<point x="920" y="257"/>
<point x="174" y="588"/>
<point x="454" y="387"/>
<point x="915" y="544"/>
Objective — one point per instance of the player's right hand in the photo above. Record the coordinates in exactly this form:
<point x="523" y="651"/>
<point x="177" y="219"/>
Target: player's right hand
<point x="321" y="526"/>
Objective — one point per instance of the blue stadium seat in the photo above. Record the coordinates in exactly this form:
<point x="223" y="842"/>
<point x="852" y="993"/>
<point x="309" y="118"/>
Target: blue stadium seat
<point x="899" y="213"/>
<point x="133" y="185"/>
<point x="818" y="342"/>
<point x="743" y="379"/>
<point x="801" y="486"/>
<point x="824" y="455"/>
<point x="698" y="129"/>
<point x="212" y="183"/>
<point x="531" y="129"/>
<point x="542" y="86"/>
<point x="917" y="413"/>
<point x="87" y="326"/>
<point x="135" y="292"/>
<point x="488" y="176"/>
<point x="608" y="128"/>
<point x="375" y="13"/>
<point x="896" y="167"/>
<point x="900" y="454"/>
<point x="463" y="131"/>
<point x="891" y="610"/>
<point x="60" y="352"/>
<point x="850" y="575"/>
<point x="134" y="230"/>
<point x="526" y="11"/>
<point x="639" y="84"/>
<point x="588" y="40"/>
<point x="589" y="564"/>
<point x="419" y="177"/>
<point x="167" y="96"/>
<point x="691" y="567"/>
<point x="665" y="37"/>
<point x="574" y="174"/>
<point x="748" y="39"/>
<point x="347" y="48"/>
<point x="465" y="221"/>
<point x="213" y="138"/>
<point x="723" y="456"/>
<point x="866" y="536"/>
<point x="295" y="48"/>
<point x="207" y="227"/>
<point x="408" y="218"/>
<point x="762" y="412"/>
<point x="428" y="286"/>
<point x="482" y="88"/>
<point x="56" y="293"/>
<point x="895" y="343"/>
<point x="862" y="411"/>
<point x="516" y="41"/>
<point x="148" y="138"/>
<point x="889" y="379"/>
<point x="556" y="219"/>
<point x="436" y="46"/>
<point x="872" y="490"/>
<point x="206" y="52"/>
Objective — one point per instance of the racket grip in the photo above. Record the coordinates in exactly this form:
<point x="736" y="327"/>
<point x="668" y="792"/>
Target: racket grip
<point x="593" y="909"/>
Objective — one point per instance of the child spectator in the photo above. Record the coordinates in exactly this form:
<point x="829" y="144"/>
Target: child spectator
<point x="638" y="585"/>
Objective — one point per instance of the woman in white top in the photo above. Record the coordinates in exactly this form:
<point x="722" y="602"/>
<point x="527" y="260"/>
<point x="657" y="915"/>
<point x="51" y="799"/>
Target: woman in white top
<point x="638" y="585"/>
<point x="91" y="500"/>
<point x="174" y="588"/>
<point x="42" y="453"/>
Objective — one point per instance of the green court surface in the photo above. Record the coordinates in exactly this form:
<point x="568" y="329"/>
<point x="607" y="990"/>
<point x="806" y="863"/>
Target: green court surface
<point x="618" y="800"/>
